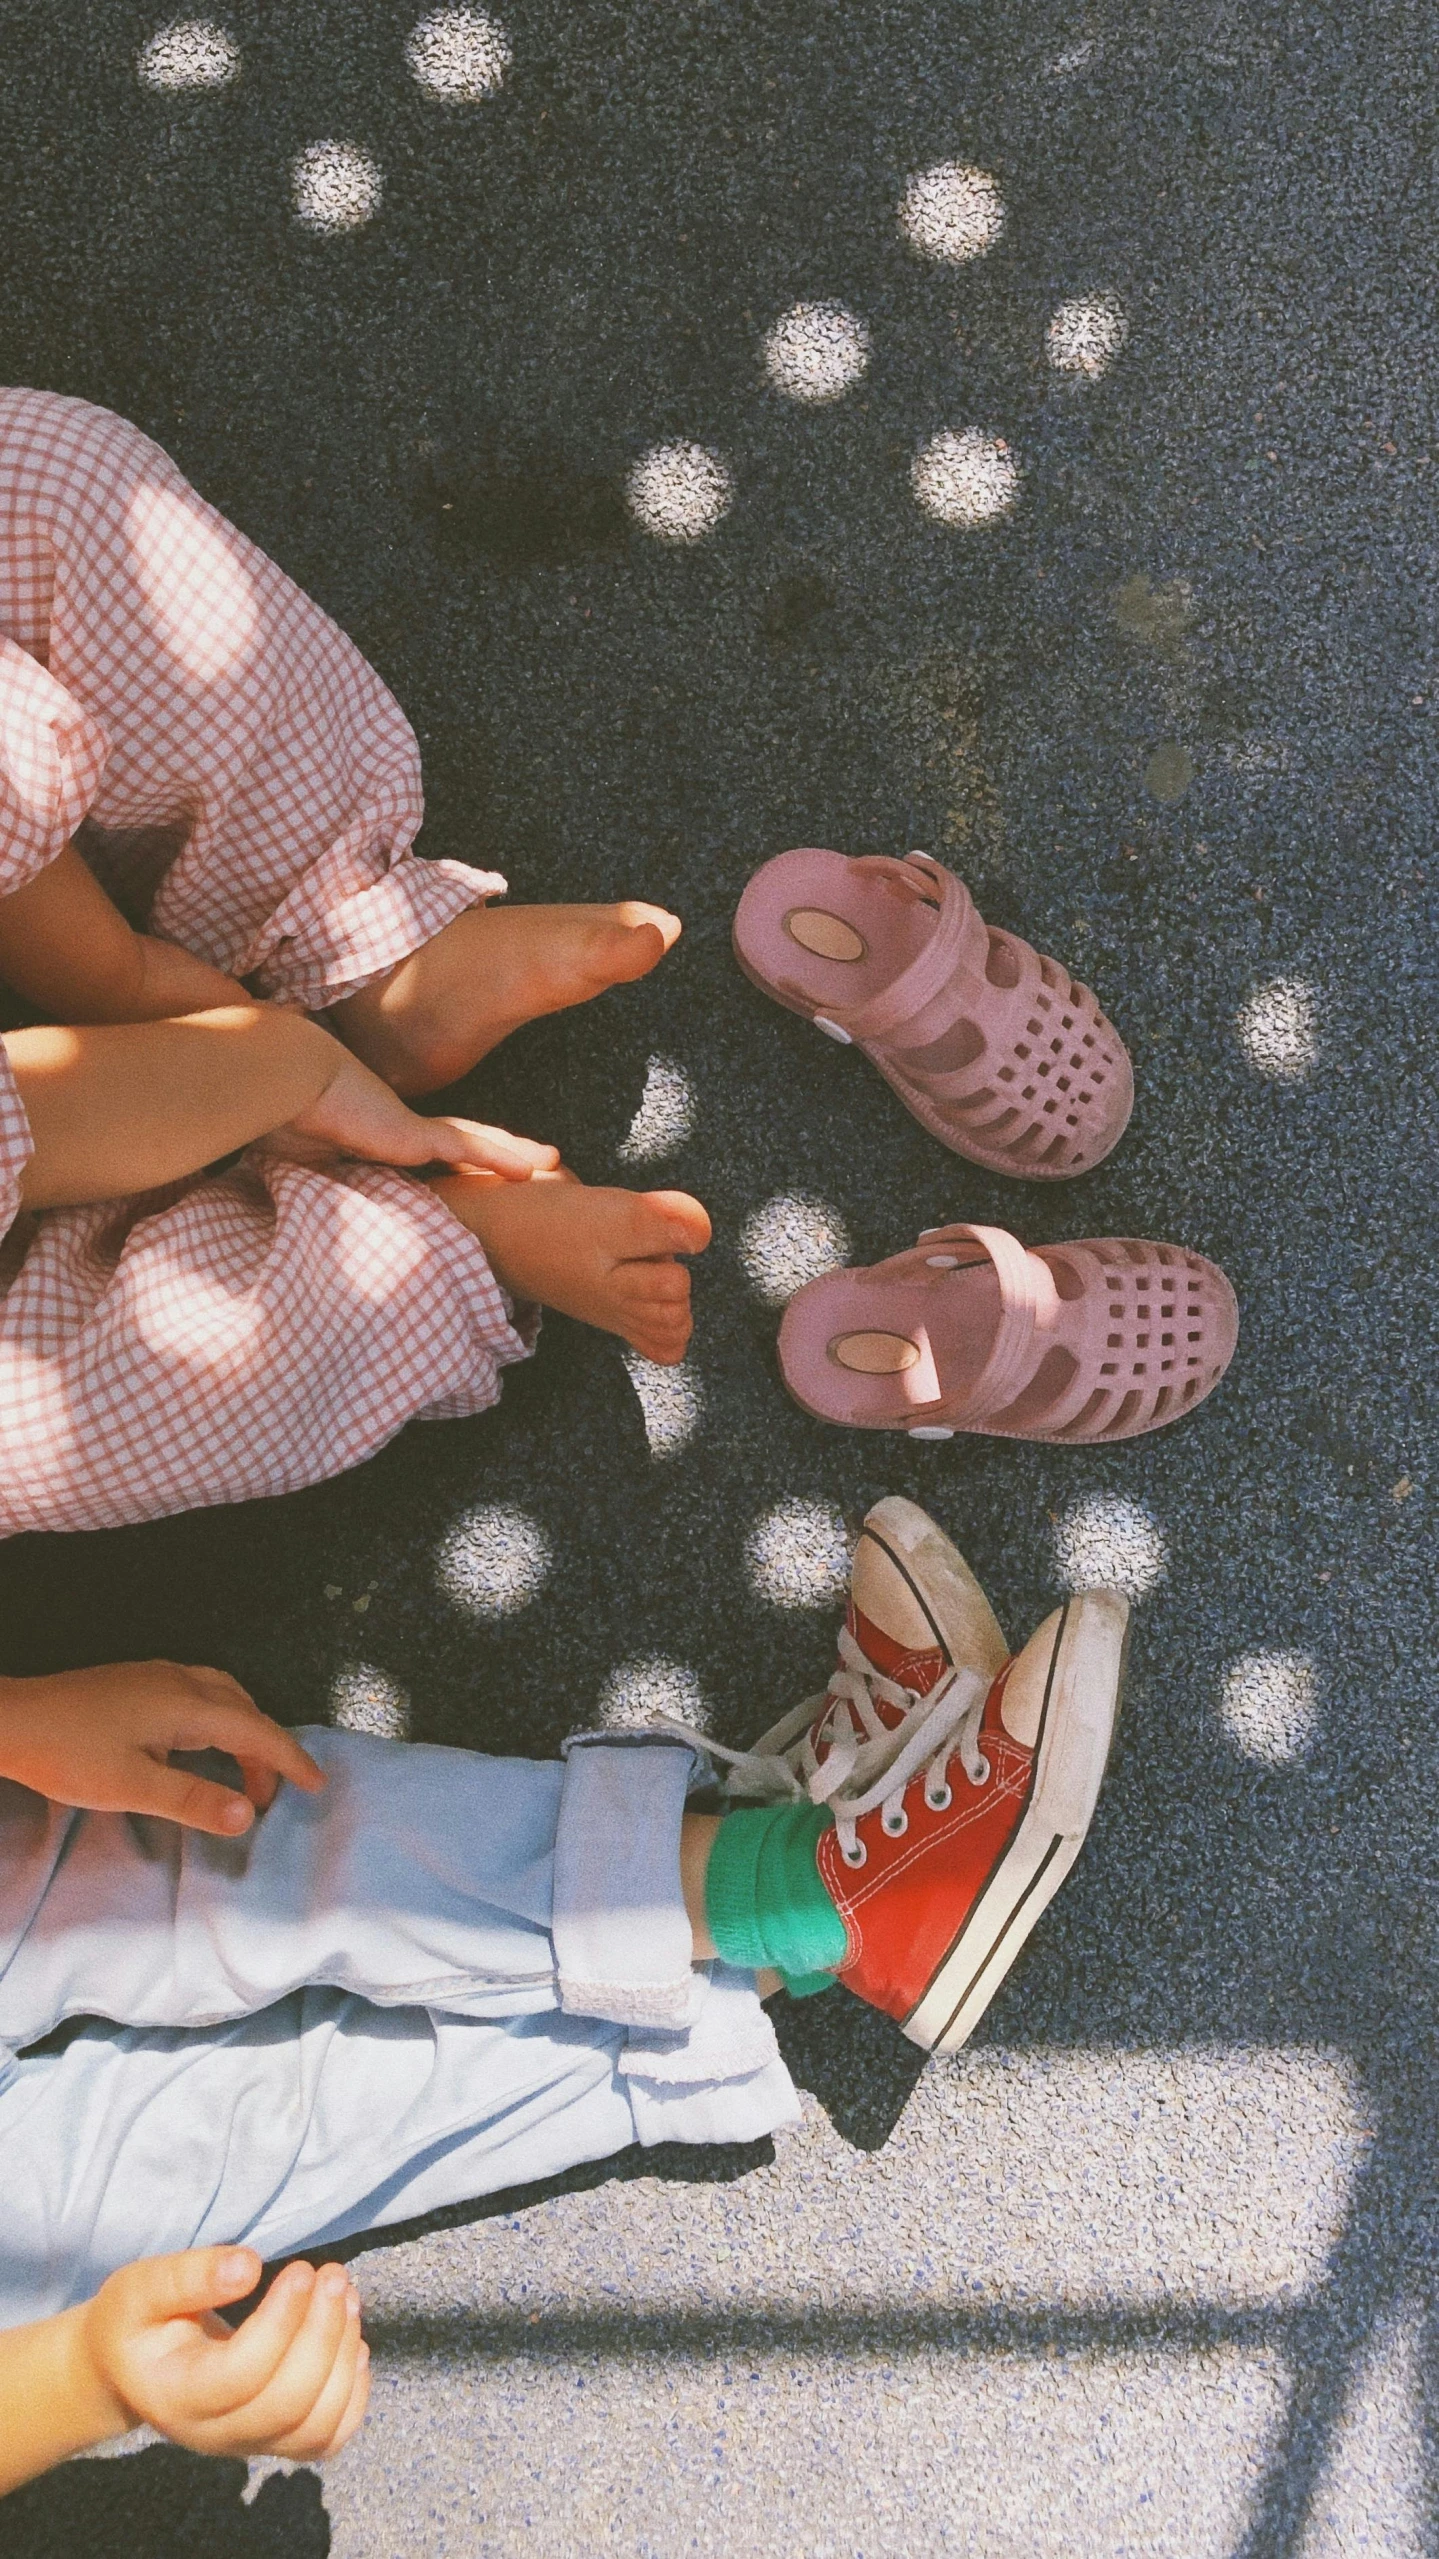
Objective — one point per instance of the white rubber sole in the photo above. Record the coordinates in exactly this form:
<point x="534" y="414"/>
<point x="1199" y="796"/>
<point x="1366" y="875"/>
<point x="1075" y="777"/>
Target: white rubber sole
<point x="1081" y="1704"/>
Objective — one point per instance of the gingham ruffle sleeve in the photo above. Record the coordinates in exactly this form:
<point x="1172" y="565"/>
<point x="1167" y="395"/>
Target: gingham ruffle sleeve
<point x="52" y="755"/>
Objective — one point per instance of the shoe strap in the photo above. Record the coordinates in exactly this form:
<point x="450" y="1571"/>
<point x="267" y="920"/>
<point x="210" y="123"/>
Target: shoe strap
<point x="956" y="947"/>
<point x="1027" y="1297"/>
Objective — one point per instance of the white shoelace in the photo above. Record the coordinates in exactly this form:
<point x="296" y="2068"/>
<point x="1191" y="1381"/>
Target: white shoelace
<point x="868" y="1763"/>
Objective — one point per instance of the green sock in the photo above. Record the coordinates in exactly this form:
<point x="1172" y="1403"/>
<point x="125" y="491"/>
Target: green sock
<point x="766" y="1907"/>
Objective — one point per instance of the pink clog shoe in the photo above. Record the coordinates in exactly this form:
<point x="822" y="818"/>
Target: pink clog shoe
<point x="972" y="1332"/>
<point x="998" y="1052"/>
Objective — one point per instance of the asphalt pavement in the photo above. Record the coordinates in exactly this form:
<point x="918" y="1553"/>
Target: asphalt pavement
<point x="729" y="426"/>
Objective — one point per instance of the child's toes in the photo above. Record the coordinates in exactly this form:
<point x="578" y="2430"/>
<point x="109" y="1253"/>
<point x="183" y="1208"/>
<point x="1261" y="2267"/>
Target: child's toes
<point x="686" y="1223"/>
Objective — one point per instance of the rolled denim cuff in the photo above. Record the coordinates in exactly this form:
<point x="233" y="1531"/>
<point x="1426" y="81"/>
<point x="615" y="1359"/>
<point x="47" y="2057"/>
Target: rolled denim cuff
<point x="622" y="1940"/>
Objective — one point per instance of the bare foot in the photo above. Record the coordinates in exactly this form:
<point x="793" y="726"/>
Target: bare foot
<point x="605" y="1256"/>
<point x="454" y="1000"/>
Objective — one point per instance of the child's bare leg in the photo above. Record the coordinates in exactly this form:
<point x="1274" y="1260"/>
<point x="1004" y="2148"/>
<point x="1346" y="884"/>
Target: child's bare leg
<point x="605" y="1256"/>
<point x="451" y="1002"/>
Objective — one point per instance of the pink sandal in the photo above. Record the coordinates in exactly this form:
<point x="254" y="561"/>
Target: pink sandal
<point x="998" y="1052"/>
<point x="972" y="1332"/>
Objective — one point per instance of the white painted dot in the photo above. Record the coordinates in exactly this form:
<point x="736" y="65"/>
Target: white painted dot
<point x="1104" y="1542"/>
<point x="459" y="54"/>
<point x="967" y="479"/>
<point x="191" y="54"/>
<point x="639" y="1692"/>
<point x="1073" y="58"/>
<point x="1085" y="335"/>
<point x="678" y="492"/>
<point x="366" y="1700"/>
<point x="798" y="1555"/>
<point x="669" y="1400"/>
<point x="493" y="1561"/>
<point x="816" y="351"/>
<point x="336" y="187"/>
<point x="793" y="1238"/>
<point x="665" y="1117"/>
<point x="1270" y="1705"/>
<point x="1278" y="1029"/>
<point x="952" y="213"/>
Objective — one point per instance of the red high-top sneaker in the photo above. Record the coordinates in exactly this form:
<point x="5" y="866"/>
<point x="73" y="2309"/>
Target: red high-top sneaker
<point x="917" y="1620"/>
<point x="939" y="1877"/>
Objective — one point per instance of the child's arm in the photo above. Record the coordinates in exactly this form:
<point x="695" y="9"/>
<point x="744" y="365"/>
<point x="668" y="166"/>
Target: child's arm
<point x="149" y="2350"/>
<point x="71" y="954"/>
<point x="126" y="1107"/>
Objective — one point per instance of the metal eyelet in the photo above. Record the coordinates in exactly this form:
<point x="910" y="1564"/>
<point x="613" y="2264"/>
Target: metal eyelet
<point x="856" y="1856"/>
<point x="982" y="1773"/>
<point x="941" y="1800"/>
<point x="894" y="1828"/>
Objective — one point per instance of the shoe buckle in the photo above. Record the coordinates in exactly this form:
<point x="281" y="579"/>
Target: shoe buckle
<point x="832" y="1030"/>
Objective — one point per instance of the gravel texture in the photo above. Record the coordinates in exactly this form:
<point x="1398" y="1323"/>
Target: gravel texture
<point x="1085" y="538"/>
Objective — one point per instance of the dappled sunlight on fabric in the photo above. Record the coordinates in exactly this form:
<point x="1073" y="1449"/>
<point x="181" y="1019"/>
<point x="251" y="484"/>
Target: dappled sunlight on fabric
<point x="193" y="53"/>
<point x="366" y="1700"/>
<point x="669" y="1400"/>
<point x="1269" y="1704"/>
<point x="795" y="1237"/>
<point x="460" y="55"/>
<point x="797" y="1555"/>
<point x="965" y="479"/>
<point x="335" y="187"/>
<point x="665" y="1117"/>
<point x="816" y="351"/>
<point x="679" y="492"/>
<point x="184" y="1316"/>
<point x="649" y="1688"/>
<point x="198" y="595"/>
<point x="376" y="1252"/>
<point x="493" y="1561"/>
<point x="1103" y="1541"/>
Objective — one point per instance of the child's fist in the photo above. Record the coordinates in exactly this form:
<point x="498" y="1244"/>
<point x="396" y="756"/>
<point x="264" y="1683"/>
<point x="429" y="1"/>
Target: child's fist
<point x="293" y="2380"/>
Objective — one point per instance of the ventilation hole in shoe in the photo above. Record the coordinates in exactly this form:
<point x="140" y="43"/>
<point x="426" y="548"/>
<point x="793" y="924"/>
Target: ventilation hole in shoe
<point x="1068" y="1280"/>
<point x="1166" y="1341"/>
<point x="974" y="1103"/>
<point x="957" y="1048"/>
<point x="1114" y="1342"/>
<point x="1057" y="1148"/>
<point x="1189" y="1390"/>
<point x="1057" y="1047"/>
<point x="1029" y="1092"/>
<point x="1068" y="1021"/>
<point x="1109" y="1368"/>
<point x="1164" y="1397"/>
<point x="1021" y="1047"/>
<point x="1130" y="1408"/>
<point x="1194" y="1337"/>
<point x="1056" y="1371"/>
<point x="1051" y="1105"/>
<point x="1064" y="1083"/>
<point x="1034" y="1029"/>
<point x="1085" y="1419"/>
<point x="1001" y="965"/>
<point x="1006" y="1075"/>
<point x="1165" y="1366"/>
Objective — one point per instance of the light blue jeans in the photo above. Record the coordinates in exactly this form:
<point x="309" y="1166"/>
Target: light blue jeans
<point x="442" y="1976"/>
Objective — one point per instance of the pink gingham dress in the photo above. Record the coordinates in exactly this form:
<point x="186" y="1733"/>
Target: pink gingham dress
<point x="163" y="682"/>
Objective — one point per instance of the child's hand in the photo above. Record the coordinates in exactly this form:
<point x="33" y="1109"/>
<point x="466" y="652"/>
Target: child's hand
<point x="293" y="2380"/>
<point x="357" y="1114"/>
<point x="101" y="1739"/>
